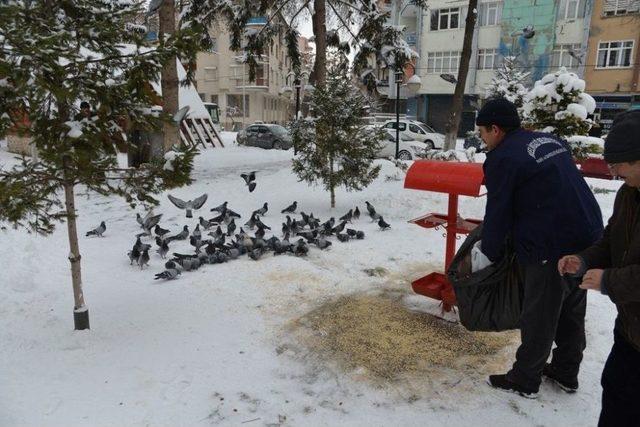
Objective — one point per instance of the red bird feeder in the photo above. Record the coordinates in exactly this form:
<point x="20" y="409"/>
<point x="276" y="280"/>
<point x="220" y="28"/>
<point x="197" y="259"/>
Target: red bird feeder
<point x="453" y="178"/>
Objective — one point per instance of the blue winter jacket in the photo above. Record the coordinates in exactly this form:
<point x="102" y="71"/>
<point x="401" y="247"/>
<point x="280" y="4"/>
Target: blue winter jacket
<point x="536" y="194"/>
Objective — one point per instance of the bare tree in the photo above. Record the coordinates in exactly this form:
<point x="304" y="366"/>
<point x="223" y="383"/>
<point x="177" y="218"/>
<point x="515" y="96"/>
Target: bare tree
<point x="458" y="96"/>
<point x="169" y="81"/>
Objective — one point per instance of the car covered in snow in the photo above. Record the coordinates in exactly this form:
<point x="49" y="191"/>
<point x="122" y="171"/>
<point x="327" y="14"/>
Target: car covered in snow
<point x="265" y="136"/>
<point x="417" y="131"/>
<point x="409" y="149"/>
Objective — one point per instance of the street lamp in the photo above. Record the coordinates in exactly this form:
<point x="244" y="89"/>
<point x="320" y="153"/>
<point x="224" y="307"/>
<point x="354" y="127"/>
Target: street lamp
<point x="413" y="83"/>
<point x="297" y="85"/>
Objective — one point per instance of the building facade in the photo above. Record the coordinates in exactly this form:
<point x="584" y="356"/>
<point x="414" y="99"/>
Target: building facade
<point x="612" y="70"/>
<point x="223" y="78"/>
<point x="544" y="35"/>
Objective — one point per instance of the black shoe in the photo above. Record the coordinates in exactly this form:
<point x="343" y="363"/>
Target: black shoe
<point x="569" y="386"/>
<point x="502" y="383"/>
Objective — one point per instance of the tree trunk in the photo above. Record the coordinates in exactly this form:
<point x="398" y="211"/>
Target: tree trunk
<point x="80" y="311"/>
<point x="458" y="96"/>
<point x="319" y="21"/>
<point x="332" y="186"/>
<point x="169" y="80"/>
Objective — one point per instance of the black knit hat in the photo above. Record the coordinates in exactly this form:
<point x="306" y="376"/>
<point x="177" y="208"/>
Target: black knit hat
<point x="499" y="112"/>
<point x="623" y="141"/>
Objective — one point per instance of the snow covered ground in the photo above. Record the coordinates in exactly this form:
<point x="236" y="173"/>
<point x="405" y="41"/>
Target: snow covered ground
<point x="206" y="349"/>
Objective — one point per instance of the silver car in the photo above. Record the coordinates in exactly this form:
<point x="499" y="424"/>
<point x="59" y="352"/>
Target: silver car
<point x="265" y="136"/>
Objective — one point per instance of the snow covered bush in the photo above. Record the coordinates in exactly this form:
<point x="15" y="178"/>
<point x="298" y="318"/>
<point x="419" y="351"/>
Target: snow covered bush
<point x="559" y="105"/>
<point x="508" y="83"/>
<point x="334" y="145"/>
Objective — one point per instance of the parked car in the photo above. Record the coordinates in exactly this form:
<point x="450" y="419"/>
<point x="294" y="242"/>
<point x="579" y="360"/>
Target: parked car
<point x="409" y="149"/>
<point x="417" y="131"/>
<point x="265" y="136"/>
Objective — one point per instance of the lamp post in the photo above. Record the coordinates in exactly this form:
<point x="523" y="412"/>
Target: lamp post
<point x="413" y="84"/>
<point x="297" y="85"/>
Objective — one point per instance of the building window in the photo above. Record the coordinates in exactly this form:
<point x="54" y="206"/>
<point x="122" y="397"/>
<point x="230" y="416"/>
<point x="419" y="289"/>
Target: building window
<point x="210" y="74"/>
<point x="445" y="19"/>
<point x="202" y="96"/>
<point x="443" y="62"/>
<point x="214" y="99"/>
<point x="561" y="56"/>
<point x="614" y="54"/>
<point x="570" y="9"/>
<point x="487" y="59"/>
<point x="620" y="7"/>
<point x="489" y="14"/>
<point x="235" y="107"/>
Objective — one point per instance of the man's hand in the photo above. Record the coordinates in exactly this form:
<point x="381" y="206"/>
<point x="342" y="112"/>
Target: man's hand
<point x="569" y="264"/>
<point x="592" y="279"/>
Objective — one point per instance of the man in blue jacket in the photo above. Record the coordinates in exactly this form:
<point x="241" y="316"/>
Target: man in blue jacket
<point x="538" y="198"/>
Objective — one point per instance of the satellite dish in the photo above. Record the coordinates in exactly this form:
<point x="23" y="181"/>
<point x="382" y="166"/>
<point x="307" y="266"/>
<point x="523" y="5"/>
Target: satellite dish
<point x="449" y="78"/>
<point x="180" y="114"/>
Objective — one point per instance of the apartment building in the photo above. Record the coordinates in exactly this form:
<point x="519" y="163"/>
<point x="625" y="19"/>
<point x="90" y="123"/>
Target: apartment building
<point x="544" y="35"/>
<point x="223" y="78"/>
<point x="612" y="69"/>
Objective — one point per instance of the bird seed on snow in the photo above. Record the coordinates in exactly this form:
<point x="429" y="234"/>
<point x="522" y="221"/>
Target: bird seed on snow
<point x="380" y="334"/>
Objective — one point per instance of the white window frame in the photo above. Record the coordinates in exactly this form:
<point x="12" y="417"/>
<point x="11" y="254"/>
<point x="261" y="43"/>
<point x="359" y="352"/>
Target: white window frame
<point x="608" y="49"/>
<point x="441" y="62"/>
<point x="449" y="12"/>
<point x="561" y="52"/>
<point x="620" y="7"/>
<point x="564" y="12"/>
<point x="484" y="10"/>
<point x="488" y="59"/>
<point x="210" y="74"/>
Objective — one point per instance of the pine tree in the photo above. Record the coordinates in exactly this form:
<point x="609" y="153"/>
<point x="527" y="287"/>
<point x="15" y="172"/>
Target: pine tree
<point x="508" y="83"/>
<point x="335" y="148"/>
<point x="558" y="104"/>
<point x="53" y="55"/>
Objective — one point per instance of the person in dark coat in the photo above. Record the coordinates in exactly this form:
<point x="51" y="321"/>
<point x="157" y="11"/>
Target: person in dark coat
<point x="537" y="199"/>
<point x="612" y="266"/>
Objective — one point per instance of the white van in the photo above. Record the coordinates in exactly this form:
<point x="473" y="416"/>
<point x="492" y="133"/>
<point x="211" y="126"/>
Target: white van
<point x="418" y="131"/>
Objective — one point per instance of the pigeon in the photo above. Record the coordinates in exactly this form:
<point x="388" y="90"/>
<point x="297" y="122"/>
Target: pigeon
<point x="252" y="221"/>
<point x="370" y="208"/>
<point x="356" y="213"/>
<point x="98" y="230"/>
<point x="190" y="205"/>
<point x="149" y="221"/>
<point x="231" y="228"/>
<point x="359" y="235"/>
<point x="180" y="236"/>
<point x="328" y="226"/>
<point x="250" y="180"/>
<point x="351" y="232"/>
<point x="291" y="208"/>
<point x="260" y="233"/>
<point x="343" y="237"/>
<point x="263" y="210"/>
<point x="338" y="228"/>
<point x="198" y="243"/>
<point x="322" y="243"/>
<point x="221" y="208"/>
<point x="383" y="225"/>
<point x="256" y="253"/>
<point x="261" y="224"/>
<point x="204" y="223"/>
<point x="300" y="248"/>
<point x="375" y="216"/>
<point x="347" y="216"/>
<point x="197" y="233"/>
<point x="305" y="217"/>
<point x="143" y="259"/>
<point x="133" y="255"/>
<point x="232" y="214"/>
<point x="216" y="234"/>
<point x="160" y="231"/>
<point x="163" y="249"/>
<point x="168" y="274"/>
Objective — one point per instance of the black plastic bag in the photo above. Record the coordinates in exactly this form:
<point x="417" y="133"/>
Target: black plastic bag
<point x="489" y="299"/>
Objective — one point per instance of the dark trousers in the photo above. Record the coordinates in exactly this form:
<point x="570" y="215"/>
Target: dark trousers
<point x="553" y="310"/>
<point x="621" y="385"/>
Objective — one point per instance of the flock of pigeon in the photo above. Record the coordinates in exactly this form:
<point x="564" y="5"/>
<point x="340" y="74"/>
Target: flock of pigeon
<point x="222" y="245"/>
